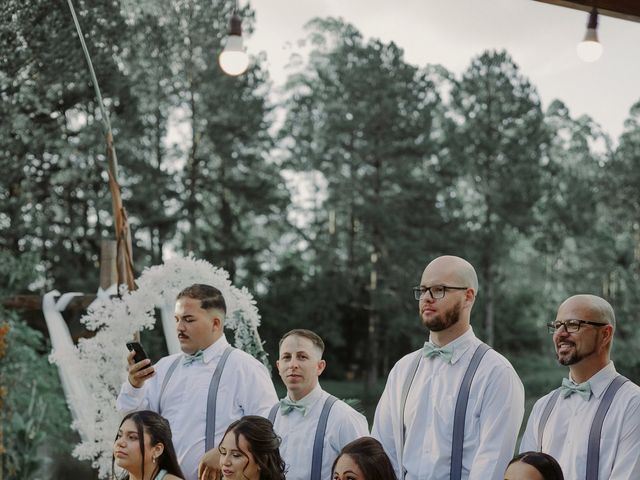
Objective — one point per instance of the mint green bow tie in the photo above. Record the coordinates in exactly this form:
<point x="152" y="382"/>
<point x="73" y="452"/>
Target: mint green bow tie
<point x="196" y="357"/>
<point x="568" y="387"/>
<point x="287" y="406"/>
<point x="430" y="350"/>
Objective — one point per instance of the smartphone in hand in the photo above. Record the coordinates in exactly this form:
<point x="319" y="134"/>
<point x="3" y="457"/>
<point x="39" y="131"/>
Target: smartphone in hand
<point x="140" y="353"/>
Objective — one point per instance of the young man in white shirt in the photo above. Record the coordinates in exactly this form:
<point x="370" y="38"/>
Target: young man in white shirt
<point x="416" y="414"/>
<point x="582" y="336"/>
<point x="182" y="387"/>
<point x="298" y="417"/>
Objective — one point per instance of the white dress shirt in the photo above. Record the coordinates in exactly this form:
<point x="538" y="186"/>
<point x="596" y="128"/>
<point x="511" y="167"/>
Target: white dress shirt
<point x="567" y="431"/>
<point x="298" y="433"/>
<point x="493" y="418"/>
<point x="245" y="389"/>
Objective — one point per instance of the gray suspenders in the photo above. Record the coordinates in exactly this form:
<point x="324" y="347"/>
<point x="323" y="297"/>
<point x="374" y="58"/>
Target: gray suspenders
<point x="593" y="446"/>
<point x="273" y="412"/>
<point x="165" y="382"/>
<point x="318" y="442"/>
<point x="460" y="411"/>
<point x="545" y="416"/>
<point x="403" y="403"/>
<point x="210" y="430"/>
<point x="321" y="430"/>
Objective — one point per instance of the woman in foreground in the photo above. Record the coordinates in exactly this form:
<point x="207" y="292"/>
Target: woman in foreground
<point x="533" y="466"/>
<point x="363" y="459"/>
<point x="250" y="451"/>
<point x="143" y="448"/>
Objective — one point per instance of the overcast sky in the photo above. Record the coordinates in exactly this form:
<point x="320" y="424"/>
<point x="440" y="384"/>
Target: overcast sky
<point x="541" y="39"/>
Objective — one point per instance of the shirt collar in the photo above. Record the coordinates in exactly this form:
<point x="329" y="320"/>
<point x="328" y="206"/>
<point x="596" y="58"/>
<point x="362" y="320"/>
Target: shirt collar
<point x="461" y="344"/>
<point x="215" y="349"/>
<point x="601" y="380"/>
<point x="311" y="397"/>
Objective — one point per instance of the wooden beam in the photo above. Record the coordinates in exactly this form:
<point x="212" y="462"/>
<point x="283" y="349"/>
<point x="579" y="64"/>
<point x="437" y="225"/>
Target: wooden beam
<point x="30" y="308"/>
<point x="623" y="9"/>
<point x="34" y="302"/>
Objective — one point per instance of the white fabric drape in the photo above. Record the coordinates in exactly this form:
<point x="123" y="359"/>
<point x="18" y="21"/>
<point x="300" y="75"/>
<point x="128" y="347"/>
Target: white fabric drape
<point x="75" y="390"/>
<point x="167" y="314"/>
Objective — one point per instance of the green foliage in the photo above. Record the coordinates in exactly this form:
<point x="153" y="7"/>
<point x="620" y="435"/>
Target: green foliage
<point x="362" y="118"/>
<point x="499" y="142"/>
<point x="34" y="412"/>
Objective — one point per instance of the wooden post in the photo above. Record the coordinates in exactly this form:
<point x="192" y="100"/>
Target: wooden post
<point x="4" y="331"/>
<point x="108" y="270"/>
<point x="109" y="267"/>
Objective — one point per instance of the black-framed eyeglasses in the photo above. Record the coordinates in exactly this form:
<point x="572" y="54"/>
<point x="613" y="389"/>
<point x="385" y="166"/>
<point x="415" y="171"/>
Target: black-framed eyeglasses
<point x="436" y="291"/>
<point x="571" y="325"/>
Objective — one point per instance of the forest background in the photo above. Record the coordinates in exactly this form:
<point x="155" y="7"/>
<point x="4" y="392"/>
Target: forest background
<point x="326" y="205"/>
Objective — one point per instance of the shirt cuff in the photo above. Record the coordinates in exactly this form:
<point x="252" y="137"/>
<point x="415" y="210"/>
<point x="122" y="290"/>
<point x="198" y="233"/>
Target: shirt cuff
<point x="132" y="391"/>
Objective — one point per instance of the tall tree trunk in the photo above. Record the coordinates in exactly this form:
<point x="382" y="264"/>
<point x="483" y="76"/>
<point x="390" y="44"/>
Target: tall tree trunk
<point x="226" y="218"/>
<point x="374" y="314"/>
<point x="489" y="279"/>
<point x="351" y="241"/>
<point x="193" y="161"/>
<point x="192" y="168"/>
<point x="374" y="320"/>
<point x="155" y="231"/>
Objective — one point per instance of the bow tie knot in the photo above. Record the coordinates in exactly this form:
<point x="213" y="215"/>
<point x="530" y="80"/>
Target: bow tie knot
<point x="568" y="388"/>
<point x="196" y="357"/>
<point x="430" y="350"/>
<point x="287" y="406"/>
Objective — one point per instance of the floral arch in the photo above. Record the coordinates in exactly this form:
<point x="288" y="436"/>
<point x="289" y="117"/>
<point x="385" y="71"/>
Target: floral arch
<point x="99" y="363"/>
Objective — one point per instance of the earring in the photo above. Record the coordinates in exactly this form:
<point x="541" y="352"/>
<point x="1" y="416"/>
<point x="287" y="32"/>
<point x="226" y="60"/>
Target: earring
<point x="153" y="459"/>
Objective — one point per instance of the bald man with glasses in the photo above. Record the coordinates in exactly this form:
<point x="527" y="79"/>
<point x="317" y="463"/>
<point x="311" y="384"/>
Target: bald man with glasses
<point x="591" y="423"/>
<point x="451" y="410"/>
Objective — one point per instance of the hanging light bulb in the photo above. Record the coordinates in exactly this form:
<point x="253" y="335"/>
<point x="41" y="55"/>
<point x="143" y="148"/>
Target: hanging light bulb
<point x="590" y="49"/>
<point x="233" y="59"/>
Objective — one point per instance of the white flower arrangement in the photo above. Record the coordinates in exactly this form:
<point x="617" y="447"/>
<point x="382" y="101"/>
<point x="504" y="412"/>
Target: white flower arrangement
<point x="100" y="361"/>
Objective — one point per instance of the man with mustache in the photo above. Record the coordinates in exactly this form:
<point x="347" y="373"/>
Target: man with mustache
<point x="298" y="418"/>
<point x="202" y="390"/>
<point x="591" y="424"/>
<point x="451" y="410"/>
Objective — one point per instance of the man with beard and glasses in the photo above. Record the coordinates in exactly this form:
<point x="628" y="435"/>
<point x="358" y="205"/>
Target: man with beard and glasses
<point x="451" y="410"/>
<point x="591" y="424"/>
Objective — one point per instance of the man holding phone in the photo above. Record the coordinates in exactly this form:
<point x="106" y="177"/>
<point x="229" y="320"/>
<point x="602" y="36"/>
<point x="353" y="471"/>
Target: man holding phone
<point x="202" y="390"/>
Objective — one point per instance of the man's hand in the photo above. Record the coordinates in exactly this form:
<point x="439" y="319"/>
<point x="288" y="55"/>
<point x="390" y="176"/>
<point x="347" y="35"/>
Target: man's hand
<point x="209" y="468"/>
<point x="139" y="372"/>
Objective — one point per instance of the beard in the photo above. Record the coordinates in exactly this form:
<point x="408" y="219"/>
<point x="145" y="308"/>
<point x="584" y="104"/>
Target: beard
<point x="444" y="320"/>
<point x="573" y="357"/>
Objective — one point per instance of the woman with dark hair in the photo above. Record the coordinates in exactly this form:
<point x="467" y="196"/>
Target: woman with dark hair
<point x="143" y="448"/>
<point x="363" y="459"/>
<point x="250" y="451"/>
<point x="533" y="466"/>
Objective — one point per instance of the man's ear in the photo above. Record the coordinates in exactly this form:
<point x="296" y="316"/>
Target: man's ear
<point x="216" y="321"/>
<point x="321" y="366"/>
<point x="607" y="335"/>
<point x="470" y="296"/>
